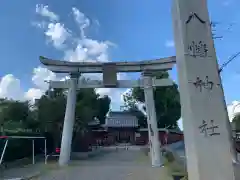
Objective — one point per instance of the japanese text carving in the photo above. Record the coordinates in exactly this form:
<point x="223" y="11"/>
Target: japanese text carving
<point x="198" y="49"/>
<point x="203" y="84"/>
<point x="208" y="128"/>
<point x="193" y="16"/>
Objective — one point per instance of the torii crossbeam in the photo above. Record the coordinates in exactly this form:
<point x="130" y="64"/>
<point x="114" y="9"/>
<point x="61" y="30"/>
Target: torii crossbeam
<point x="100" y="84"/>
<point x="97" y="67"/>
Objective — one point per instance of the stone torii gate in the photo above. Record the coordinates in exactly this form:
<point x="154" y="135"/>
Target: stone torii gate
<point x="109" y="70"/>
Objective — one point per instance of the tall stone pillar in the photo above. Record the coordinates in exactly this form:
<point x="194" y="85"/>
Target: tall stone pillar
<point x="152" y="122"/>
<point x="68" y="122"/>
<point x="205" y="120"/>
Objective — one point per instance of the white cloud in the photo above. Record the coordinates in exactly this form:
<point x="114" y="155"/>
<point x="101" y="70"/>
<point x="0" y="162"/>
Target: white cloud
<point x="10" y="87"/>
<point x="77" y="54"/>
<point x="102" y="57"/>
<point x="94" y="47"/>
<point x="88" y="50"/>
<point x="57" y="34"/>
<point x="169" y="43"/>
<point x="41" y="76"/>
<point x="33" y="94"/>
<point x="75" y="48"/>
<point x="82" y="21"/>
<point x="54" y="31"/>
<point x="44" y="11"/>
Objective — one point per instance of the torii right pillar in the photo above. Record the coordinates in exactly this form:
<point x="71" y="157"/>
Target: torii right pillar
<point x="205" y="121"/>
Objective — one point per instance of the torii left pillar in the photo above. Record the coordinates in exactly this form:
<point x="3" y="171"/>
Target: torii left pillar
<point x="69" y="119"/>
<point x="152" y="120"/>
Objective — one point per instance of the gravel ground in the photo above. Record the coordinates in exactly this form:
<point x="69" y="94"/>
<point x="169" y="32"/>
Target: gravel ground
<point x="112" y="165"/>
<point x="107" y="165"/>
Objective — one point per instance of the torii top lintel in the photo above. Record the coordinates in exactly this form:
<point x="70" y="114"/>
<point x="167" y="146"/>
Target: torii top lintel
<point x="58" y="66"/>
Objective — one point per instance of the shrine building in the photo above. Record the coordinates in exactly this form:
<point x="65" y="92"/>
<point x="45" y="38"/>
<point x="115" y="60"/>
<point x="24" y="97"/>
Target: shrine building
<point x="123" y="127"/>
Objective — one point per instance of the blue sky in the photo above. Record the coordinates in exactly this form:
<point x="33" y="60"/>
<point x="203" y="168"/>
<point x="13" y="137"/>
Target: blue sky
<point x="120" y="30"/>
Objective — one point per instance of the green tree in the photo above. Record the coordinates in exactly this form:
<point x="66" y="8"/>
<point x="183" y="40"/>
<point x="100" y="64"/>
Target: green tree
<point x="90" y="105"/>
<point x="14" y="114"/>
<point x="86" y="107"/>
<point x="50" y="111"/>
<point x="167" y="102"/>
<point x="103" y="108"/>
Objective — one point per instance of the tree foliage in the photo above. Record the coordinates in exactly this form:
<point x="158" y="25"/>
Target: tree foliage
<point x="46" y="115"/>
<point x="14" y="113"/>
<point x="103" y="108"/>
<point x="51" y="111"/>
<point x="167" y="102"/>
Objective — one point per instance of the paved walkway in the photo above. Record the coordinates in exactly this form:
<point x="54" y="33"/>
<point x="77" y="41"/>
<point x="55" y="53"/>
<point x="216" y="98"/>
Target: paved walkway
<point x="110" y="165"/>
<point x="25" y="171"/>
<point x="113" y="165"/>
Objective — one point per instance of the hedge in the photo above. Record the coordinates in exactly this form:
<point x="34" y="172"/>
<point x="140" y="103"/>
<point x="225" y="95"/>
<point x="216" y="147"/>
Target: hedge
<point x="20" y="148"/>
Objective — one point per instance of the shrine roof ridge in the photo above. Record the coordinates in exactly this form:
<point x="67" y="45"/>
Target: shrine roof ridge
<point x="121" y="113"/>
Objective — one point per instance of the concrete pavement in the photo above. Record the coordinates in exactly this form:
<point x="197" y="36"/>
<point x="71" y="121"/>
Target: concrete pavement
<point x="110" y="164"/>
<point x="121" y="164"/>
<point x="117" y="165"/>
